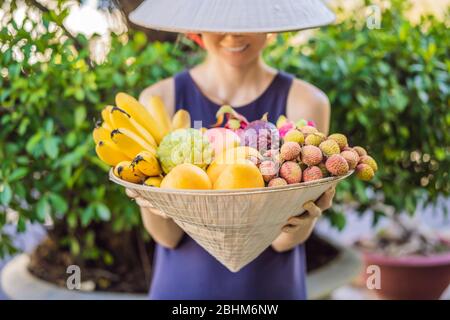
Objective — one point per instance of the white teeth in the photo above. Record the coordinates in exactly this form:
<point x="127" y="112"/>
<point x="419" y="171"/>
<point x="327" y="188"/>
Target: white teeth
<point x="237" y="49"/>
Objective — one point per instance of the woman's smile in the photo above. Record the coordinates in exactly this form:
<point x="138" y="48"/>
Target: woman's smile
<point x="236" y="49"/>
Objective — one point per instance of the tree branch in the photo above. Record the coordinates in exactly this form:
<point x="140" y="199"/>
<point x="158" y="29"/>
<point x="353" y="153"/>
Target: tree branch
<point x="76" y="42"/>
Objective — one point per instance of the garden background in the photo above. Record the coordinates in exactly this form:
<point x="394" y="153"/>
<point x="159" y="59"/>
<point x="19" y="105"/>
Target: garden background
<point x="388" y="87"/>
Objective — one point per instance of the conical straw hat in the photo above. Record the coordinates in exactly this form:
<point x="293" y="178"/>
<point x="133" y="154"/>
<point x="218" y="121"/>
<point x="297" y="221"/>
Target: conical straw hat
<point x="234" y="226"/>
<point x="232" y="16"/>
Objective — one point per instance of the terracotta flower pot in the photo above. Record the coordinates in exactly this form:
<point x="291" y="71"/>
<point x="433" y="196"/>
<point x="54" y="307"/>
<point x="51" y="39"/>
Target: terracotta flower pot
<point x="411" y="277"/>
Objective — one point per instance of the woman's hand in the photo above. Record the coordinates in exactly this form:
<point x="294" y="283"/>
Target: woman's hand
<point x="299" y="228"/>
<point x="313" y="212"/>
<point x="144" y="204"/>
<point x="162" y="229"/>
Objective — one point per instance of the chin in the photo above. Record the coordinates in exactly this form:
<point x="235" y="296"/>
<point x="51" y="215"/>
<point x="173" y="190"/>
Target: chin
<point x="238" y="61"/>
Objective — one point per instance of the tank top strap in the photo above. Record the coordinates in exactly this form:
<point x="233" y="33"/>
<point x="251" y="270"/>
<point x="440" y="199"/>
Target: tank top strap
<point x="182" y="85"/>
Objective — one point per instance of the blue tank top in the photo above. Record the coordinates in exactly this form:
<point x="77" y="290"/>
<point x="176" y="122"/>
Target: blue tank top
<point x="188" y="271"/>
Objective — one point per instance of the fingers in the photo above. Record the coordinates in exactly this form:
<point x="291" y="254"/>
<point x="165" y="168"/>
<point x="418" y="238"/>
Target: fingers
<point x="139" y="200"/>
<point x="313" y="210"/>
<point x="160" y="213"/>
<point x="131" y="193"/>
<point x="143" y="203"/>
<point x="326" y="200"/>
<point x="289" y="228"/>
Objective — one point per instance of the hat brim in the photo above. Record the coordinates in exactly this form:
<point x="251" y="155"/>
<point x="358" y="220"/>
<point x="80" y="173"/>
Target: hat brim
<point x="232" y="16"/>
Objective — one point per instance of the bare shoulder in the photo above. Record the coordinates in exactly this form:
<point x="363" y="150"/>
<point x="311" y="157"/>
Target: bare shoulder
<point x="306" y="101"/>
<point x="164" y="89"/>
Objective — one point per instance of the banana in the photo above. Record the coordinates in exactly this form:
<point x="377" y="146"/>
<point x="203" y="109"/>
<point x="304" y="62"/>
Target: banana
<point x="181" y="119"/>
<point x="147" y="163"/>
<point x="108" y="152"/>
<point x="124" y="170"/>
<point x="153" y="182"/>
<point x="106" y="126"/>
<point x="158" y="110"/>
<point x="101" y="133"/>
<point x="138" y="112"/>
<point x="121" y="119"/>
<point x="130" y="143"/>
<point x="106" y="116"/>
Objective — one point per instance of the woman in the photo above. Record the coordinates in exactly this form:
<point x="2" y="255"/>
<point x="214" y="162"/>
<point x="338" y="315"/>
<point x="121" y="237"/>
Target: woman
<point x="234" y="73"/>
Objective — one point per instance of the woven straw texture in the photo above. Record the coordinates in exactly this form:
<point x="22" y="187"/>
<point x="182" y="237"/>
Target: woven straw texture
<point x="234" y="226"/>
<point x="232" y="16"/>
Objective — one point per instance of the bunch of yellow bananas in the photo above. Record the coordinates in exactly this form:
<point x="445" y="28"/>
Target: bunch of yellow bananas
<point x="129" y="135"/>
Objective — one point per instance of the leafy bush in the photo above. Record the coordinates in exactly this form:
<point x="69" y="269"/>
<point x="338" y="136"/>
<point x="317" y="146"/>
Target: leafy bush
<point x="389" y="90"/>
<point x="51" y="96"/>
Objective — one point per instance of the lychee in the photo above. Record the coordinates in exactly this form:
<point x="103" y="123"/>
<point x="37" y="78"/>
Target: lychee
<point x="308" y="129"/>
<point x="314" y="139"/>
<point x="351" y="157"/>
<point x="370" y="161"/>
<point x="329" y="147"/>
<point x="337" y="165"/>
<point x="352" y="150"/>
<point x="290" y="150"/>
<point x="291" y="172"/>
<point x="360" y="150"/>
<point x="268" y="169"/>
<point x="312" y="173"/>
<point x="340" y="139"/>
<point x="364" y="172"/>
<point x="277" y="182"/>
<point x="294" y="135"/>
<point x="311" y="155"/>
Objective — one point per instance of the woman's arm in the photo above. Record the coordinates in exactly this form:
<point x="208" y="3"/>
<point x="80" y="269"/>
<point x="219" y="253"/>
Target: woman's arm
<point x="308" y="102"/>
<point x="162" y="229"/>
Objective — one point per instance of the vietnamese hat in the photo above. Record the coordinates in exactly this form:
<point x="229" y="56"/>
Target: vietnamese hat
<point x="232" y="16"/>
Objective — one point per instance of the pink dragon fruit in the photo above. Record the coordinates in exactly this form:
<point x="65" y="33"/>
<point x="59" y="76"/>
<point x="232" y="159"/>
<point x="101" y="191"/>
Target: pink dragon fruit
<point x="233" y="120"/>
<point x="284" y="125"/>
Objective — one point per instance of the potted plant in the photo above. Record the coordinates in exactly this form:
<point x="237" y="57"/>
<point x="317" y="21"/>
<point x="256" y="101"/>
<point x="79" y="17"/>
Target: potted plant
<point x="414" y="261"/>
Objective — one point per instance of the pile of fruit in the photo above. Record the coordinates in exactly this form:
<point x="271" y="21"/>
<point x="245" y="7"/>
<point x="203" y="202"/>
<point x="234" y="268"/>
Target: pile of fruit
<point x="129" y="135"/>
<point x="145" y="146"/>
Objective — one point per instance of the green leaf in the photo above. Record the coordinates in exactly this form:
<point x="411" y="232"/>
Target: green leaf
<point x="58" y="203"/>
<point x="103" y="212"/>
<point x="21" y="224"/>
<point x="49" y="126"/>
<point x="74" y="246"/>
<point x="80" y="116"/>
<point x="18" y="174"/>
<point x="43" y="208"/>
<point x="5" y="194"/>
<point x="87" y="215"/>
<point x="51" y="147"/>
<point x="33" y="142"/>
<point x="71" y="139"/>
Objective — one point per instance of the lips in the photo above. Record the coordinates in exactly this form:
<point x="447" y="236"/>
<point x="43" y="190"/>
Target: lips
<point x="236" y="49"/>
